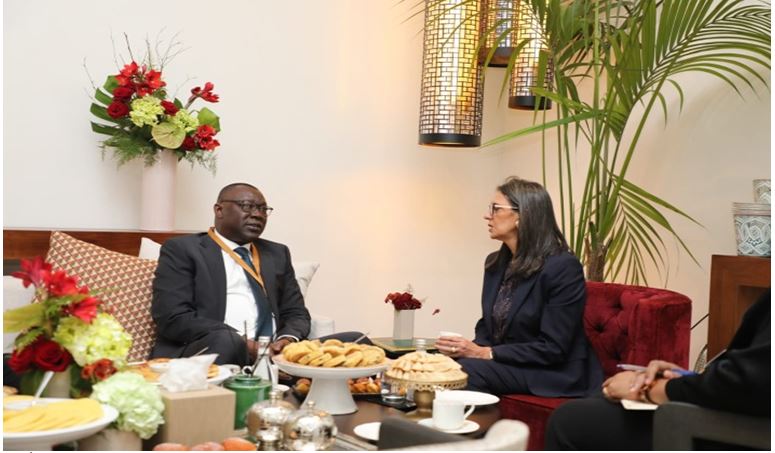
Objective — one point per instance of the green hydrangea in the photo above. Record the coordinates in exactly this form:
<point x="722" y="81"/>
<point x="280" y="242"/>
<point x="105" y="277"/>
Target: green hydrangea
<point x="104" y="338"/>
<point x="137" y="401"/>
<point x="185" y="121"/>
<point x="146" y="111"/>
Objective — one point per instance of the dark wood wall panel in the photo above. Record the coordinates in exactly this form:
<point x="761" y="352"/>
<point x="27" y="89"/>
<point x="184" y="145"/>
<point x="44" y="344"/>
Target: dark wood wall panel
<point x="29" y="243"/>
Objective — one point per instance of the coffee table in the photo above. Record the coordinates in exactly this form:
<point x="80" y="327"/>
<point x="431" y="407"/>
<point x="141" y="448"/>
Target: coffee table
<point x="368" y="412"/>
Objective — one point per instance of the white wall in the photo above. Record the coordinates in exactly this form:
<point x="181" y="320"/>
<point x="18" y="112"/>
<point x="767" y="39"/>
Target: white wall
<point x="319" y="104"/>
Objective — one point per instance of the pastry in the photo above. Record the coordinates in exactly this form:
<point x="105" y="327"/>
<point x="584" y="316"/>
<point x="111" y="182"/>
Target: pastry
<point x="424" y="367"/>
<point x="333" y="353"/>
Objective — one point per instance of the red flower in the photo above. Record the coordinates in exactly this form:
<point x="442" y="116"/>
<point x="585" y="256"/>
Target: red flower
<point x="403" y="301"/>
<point x="21" y="360"/>
<point x="129" y="69"/>
<point x="104" y="369"/>
<point x="153" y="80"/>
<point x="84" y="310"/>
<point x="205" y="93"/>
<point x="118" y="109"/>
<point x="188" y="143"/>
<point x="123" y="94"/>
<point x="33" y="271"/>
<point x="204" y="137"/>
<point x="99" y="370"/>
<point x="205" y="130"/>
<point x="50" y="356"/>
<point x="124" y="78"/>
<point x="169" y="108"/>
<point x="208" y="143"/>
<point x="60" y="284"/>
<point x="88" y="371"/>
<point x="149" y="82"/>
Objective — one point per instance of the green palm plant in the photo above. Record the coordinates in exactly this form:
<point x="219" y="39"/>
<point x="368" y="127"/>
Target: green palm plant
<point x="629" y="52"/>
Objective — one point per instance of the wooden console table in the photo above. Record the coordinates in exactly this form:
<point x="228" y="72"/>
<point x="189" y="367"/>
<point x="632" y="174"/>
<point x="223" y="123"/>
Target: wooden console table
<point x="735" y="283"/>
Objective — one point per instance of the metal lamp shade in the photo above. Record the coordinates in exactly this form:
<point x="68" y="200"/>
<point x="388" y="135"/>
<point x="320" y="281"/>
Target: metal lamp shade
<point x="524" y="74"/>
<point x="499" y="17"/>
<point x="451" y="92"/>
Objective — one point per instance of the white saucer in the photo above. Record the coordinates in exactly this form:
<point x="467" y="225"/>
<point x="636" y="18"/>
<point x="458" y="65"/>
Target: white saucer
<point x="468" y="397"/>
<point x="469" y="426"/>
<point x="281" y="387"/>
<point x="369" y="431"/>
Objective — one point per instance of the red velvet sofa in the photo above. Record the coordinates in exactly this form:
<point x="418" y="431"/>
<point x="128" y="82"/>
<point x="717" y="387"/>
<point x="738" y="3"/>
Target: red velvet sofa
<point x="624" y="324"/>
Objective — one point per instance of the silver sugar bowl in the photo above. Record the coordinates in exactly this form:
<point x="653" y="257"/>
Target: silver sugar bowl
<point x="265" y="420"/>
<point x="309" y="429"/>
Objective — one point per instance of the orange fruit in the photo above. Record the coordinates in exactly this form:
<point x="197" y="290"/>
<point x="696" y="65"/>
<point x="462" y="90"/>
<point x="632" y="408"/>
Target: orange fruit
<point x="238" y="444"/>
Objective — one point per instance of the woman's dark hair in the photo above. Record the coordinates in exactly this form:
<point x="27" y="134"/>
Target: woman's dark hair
<point x="538" y="235"/>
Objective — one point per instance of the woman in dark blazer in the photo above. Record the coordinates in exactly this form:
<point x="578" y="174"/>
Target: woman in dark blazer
<point x="530" y="338"/>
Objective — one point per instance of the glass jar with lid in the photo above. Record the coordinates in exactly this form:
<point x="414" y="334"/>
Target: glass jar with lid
<point x="265" y="419"/>
<point x="309" y="429"/>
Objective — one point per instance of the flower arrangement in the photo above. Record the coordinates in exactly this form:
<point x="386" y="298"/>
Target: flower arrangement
<point x="404" y="300"/>
<point x="142" y="120"/>
<point x="64" y="327"/>
<point x="137" y="401"/>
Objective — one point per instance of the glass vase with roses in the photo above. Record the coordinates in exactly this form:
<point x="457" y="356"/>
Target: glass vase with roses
<point x="65" y="328"/>
<point x="141" y="120"/>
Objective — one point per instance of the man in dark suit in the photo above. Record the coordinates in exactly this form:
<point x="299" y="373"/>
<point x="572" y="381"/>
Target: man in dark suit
<point x="209" y="286"/>
<point x="737" y="381"/>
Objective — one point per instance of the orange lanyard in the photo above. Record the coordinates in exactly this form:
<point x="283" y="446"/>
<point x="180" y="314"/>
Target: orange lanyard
<point x="255" y="273"/>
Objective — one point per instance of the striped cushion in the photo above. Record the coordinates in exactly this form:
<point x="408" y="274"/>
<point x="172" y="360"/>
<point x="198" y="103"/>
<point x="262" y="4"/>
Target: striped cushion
<point x="123" y="282"/>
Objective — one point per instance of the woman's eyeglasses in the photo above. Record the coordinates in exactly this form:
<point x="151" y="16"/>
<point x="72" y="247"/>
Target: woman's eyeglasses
<point x="494" y="207"/>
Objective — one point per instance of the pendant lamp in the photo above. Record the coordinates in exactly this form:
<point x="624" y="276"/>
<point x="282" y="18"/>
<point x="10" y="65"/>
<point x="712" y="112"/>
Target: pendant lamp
<point x="451" y="92"/>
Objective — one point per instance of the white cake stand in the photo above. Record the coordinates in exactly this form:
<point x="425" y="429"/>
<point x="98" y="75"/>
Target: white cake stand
<point x="44" y="440"/>
<point x="329" y="389"/>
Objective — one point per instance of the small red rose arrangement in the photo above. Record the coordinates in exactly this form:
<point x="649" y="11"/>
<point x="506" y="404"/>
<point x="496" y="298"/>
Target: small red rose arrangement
<point x="140" y="120"/>
<point x="404" y="300"/>
<point x="65" y="327"/>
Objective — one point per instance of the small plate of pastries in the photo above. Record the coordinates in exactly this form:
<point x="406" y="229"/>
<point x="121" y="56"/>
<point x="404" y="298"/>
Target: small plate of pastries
<point x="331" y="359"/>
<point x="422" y="366"/>
<point x="152" y="369"/>
<point x="363" y="386"/>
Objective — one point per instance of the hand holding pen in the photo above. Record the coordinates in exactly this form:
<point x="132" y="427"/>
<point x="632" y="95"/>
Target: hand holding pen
<point x="655" y="369"/>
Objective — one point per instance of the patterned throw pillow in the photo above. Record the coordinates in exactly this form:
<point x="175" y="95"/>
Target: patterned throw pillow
<point x="123" y="282"/>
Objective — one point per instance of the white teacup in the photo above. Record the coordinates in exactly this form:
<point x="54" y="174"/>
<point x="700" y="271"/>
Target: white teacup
<point x="447" y="333"/>
<point x="450" y="414"/>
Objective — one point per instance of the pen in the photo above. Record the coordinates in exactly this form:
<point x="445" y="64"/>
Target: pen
<point x="629" y="367"/>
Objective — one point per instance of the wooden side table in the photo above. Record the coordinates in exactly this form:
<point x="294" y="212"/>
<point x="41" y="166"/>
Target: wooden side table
<point x="735" y="284"/>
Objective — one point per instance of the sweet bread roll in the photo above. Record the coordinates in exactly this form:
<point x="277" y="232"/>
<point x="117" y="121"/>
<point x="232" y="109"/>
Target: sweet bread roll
<point x="332" y="342"/>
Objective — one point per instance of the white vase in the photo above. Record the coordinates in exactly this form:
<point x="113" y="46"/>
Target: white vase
<point x="403" y="324"/>
<point x="58" y="386"/>
<point x="157" y="193"/>
<point x="111" y="439"/>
